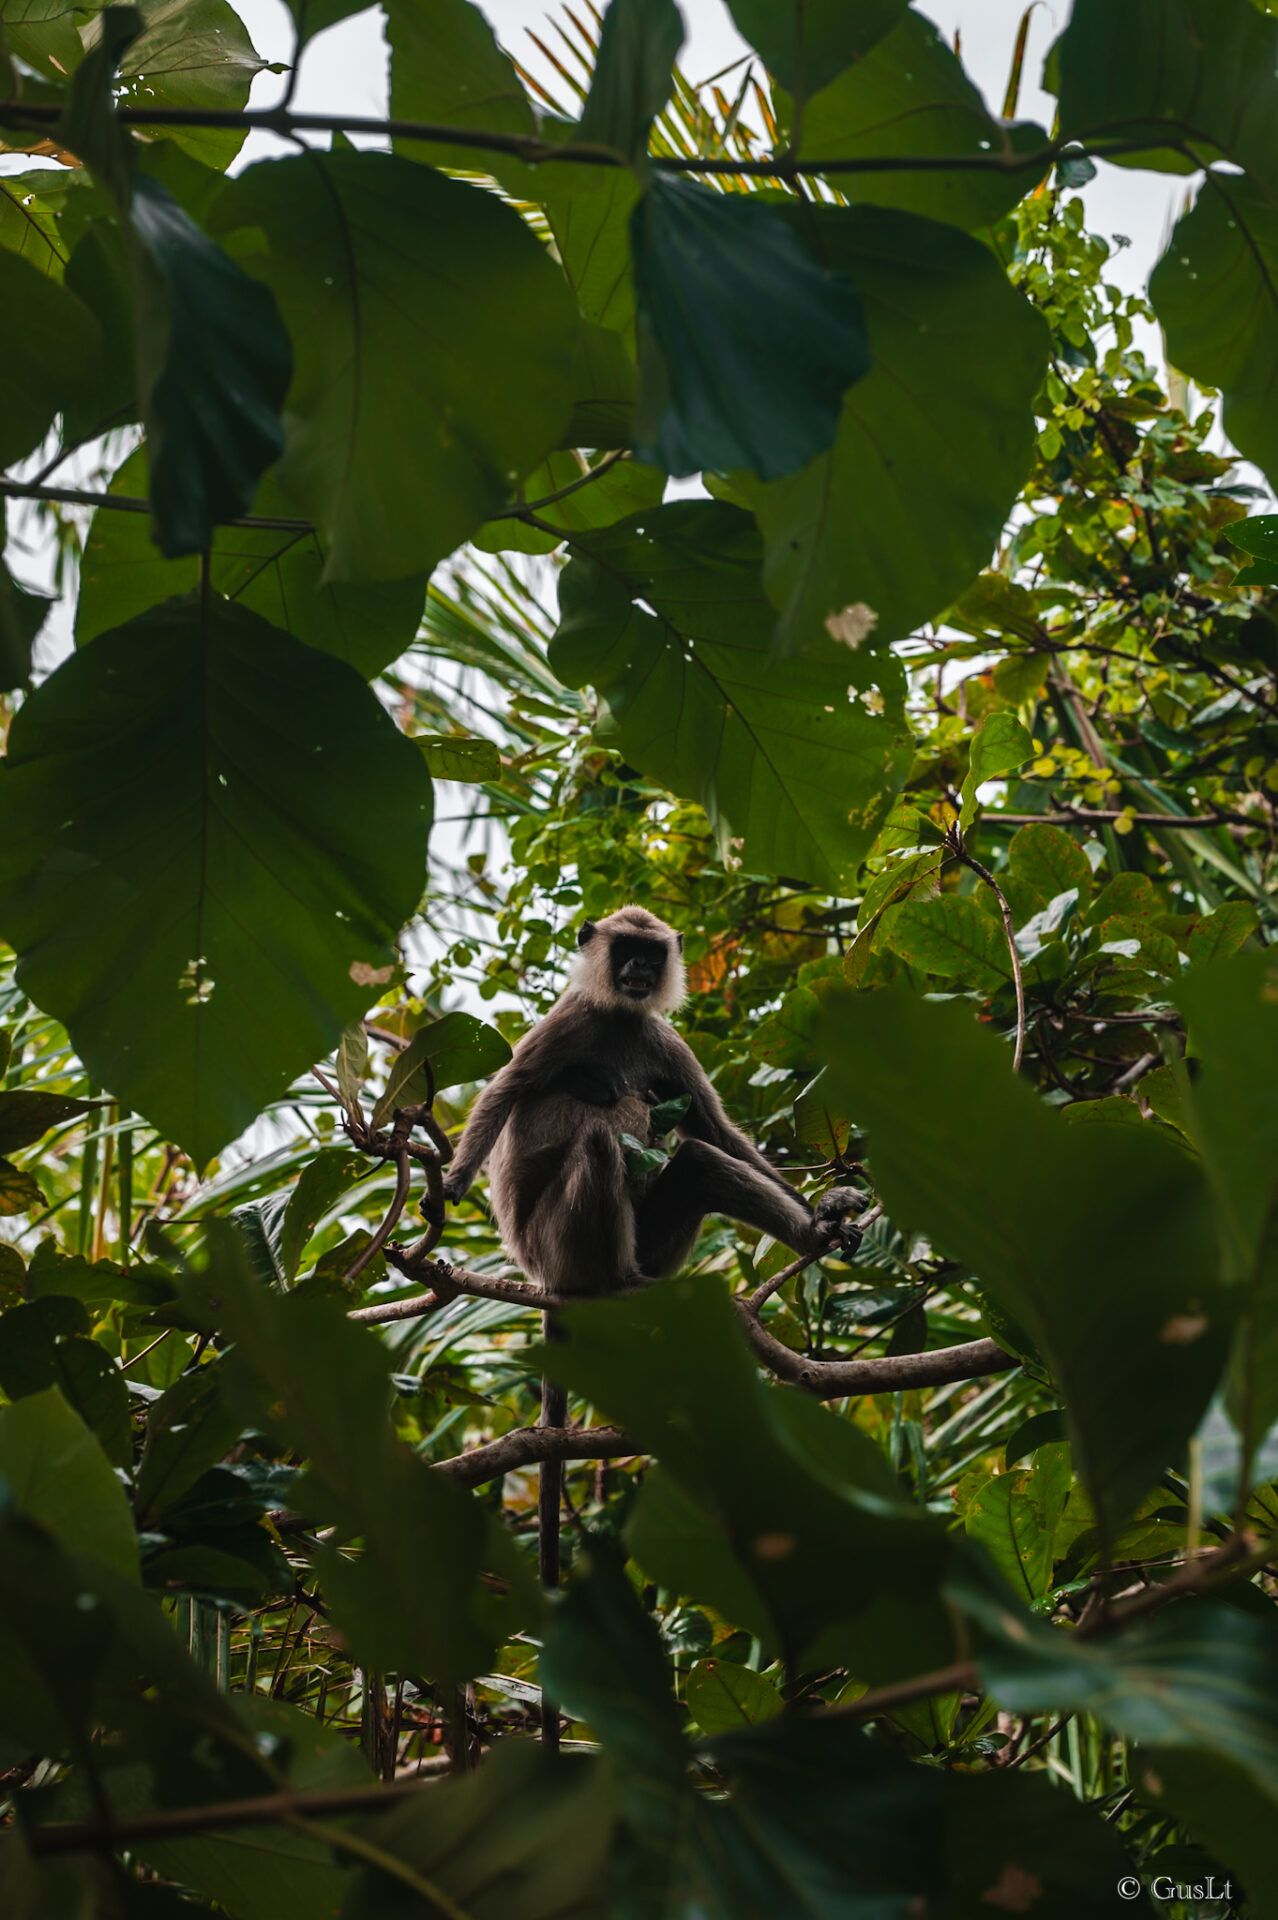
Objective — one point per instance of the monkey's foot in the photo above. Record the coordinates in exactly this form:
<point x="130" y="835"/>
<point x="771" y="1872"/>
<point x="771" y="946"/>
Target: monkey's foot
<point x="833" y="1211"/>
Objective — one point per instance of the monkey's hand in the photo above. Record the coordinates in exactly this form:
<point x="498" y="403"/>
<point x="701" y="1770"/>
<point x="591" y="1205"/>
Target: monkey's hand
<point x="840" y="1233"/>
<point x="456" y="1186"/>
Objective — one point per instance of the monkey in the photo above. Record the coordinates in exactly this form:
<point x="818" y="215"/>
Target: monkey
<point x="549" y="1126"/>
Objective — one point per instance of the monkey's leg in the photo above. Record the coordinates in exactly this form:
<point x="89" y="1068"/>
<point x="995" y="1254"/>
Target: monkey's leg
<point x="701" y="1179"/>
<point x="550" y="1484"/>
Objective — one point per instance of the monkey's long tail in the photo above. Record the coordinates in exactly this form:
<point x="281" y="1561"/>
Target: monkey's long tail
<point x="554" y="1412"/>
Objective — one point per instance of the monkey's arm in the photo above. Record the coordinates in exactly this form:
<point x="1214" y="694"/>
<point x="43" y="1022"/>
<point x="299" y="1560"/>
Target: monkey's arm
<point x="479" y="1136"/>
<point x="706" y="1119"/>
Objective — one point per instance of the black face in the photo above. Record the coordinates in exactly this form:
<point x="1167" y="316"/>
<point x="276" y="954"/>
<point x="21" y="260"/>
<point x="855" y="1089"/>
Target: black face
<point x="638" y="964"/>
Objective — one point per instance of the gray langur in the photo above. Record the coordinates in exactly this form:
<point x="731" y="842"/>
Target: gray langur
<point x="550" y="1125"/>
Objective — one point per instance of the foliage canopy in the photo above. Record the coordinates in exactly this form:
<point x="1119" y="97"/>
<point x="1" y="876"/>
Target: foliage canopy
<point x="941" y="717"/>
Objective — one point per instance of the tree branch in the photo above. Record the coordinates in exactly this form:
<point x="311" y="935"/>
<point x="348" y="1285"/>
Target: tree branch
<point x="266" y="1809"/>
<point x="530" y="148"/>
<point x="125" y="503"/>
<point x="528" y="1446"/>
<point x="836" y="1379"/>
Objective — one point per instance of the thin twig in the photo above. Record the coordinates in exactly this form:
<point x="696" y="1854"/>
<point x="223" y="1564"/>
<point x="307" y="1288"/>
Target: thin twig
<point x="969" y="860"/>
<point x="403" y="1176"/>
<point x="529" y="1446"/>
<point x="764" y="1293"/>
<point x="127" y="503"/>
<point x="529" y="148"/>
<point x="962" y="1677"/>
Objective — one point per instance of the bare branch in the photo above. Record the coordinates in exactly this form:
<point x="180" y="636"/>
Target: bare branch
<point x="837" y="1379"/>
<point x="955" y="842"/>
<point x="528" y="1446"/>
<point x="126" y="503"/>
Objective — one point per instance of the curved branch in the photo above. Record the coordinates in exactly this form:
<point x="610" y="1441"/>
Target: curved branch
<point x="837" y="1379"/>
<point x="528" y="1446"/>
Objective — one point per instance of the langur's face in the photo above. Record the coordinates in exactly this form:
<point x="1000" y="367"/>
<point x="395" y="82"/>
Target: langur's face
<point x="638" y="965"/>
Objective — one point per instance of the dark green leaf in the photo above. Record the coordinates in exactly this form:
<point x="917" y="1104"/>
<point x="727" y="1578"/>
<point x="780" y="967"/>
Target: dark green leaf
<point x="638" y="44"/>
<point x="98" y="273"/>
<point x="1201" y="1676"/>
<point x="805" y="43"/>
<point x="816" y="1540"/>
<point x="722" y="1696"/>
<point x="622" y="490"/>
<point x="526" y="1838"/>
<point x="321" y="1183"/>
<point x="1214" y="292"/>
<point x="18" y="1191"/>
<point x="1221" y="1806"/>
<point x="909" y="95"/>
<point x="1232" y="1013"/>
<point x="49" y="348"/>
<point x="1133" y="1326"/>
<point x="1193" y="76"/>
<point x="1051" y="861"/>
<point x="26" y="1114"/>
<point x="56" y="1473"/>
<point x="196" y="981"/>
<point x="458" y="1047"/>
<point x="411" y="1600"/>
<point x="999" y="745"/>
<point x="191" y="54"/>
<point x="447" y="69"/>
<point x="1017" y="1844"/>
<point x="454" y="756"/>
<point x="41" y="1346"/>
<point x="952" y="937"/>
<point x="188" y="1429"/>
<point x="22" y="614"/>
<point x="264" y="1873"/>
<point x="215" y="364"/>
<point x="590" y="209"/>
<point x="1258" y="538"/>
<point x="891" y="524"/>
<point x="747" y="343"/>
<point x="278" y="574"/>
<point x="785" y="761"/>
<point x="415" y="409"/>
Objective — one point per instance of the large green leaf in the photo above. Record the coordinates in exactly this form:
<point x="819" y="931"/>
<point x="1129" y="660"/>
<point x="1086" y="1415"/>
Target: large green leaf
<point x="190" y="54"/>
<point x="213" y="359"/>
<point x="415" y="407"/>
<point x="891" y="524"/>
<point x="193" y="867"/>
<point x="278" y="574"/>
<point x="1192" y="75"/>
<point x="909" y="95"/>
<point x="445" y="1053"/>
<point x="214" y="363"/>
<point x="622" y="490"/>
<point x="411" y="1600"/>
<point x="1232" y="1114"/>
<point x="638" y="43"/>
<point x="589" y="209"/>
<point x="747" y="343"/>
<point x="1202" y="1676"/>
<point x="785" y="759"/>
<point x="55" y="1472"/>
<point x="44" y="1344"/>
<point x="805" y="43"/>
<point x="801" y="1499"/>
<point x="526" y="1838"/>
<point x="1215" y="290"/>
<point x="1131" y="1319"/>
<point x="448" y="70"/>
<point x="262" y="1873"/>
<point x="22" y="614"/>
<point x="49" y="349"/>
<point x="952" y="937"/>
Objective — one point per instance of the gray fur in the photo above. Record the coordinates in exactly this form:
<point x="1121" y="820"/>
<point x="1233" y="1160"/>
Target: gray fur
<point x="549" y="1125"/>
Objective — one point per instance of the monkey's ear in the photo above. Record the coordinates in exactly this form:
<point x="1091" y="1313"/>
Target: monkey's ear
<point x="679" y="941"/>
<point x="587" y="933"/>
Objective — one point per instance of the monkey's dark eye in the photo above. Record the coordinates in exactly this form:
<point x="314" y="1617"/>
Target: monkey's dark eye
<point x="587" y="933"/>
